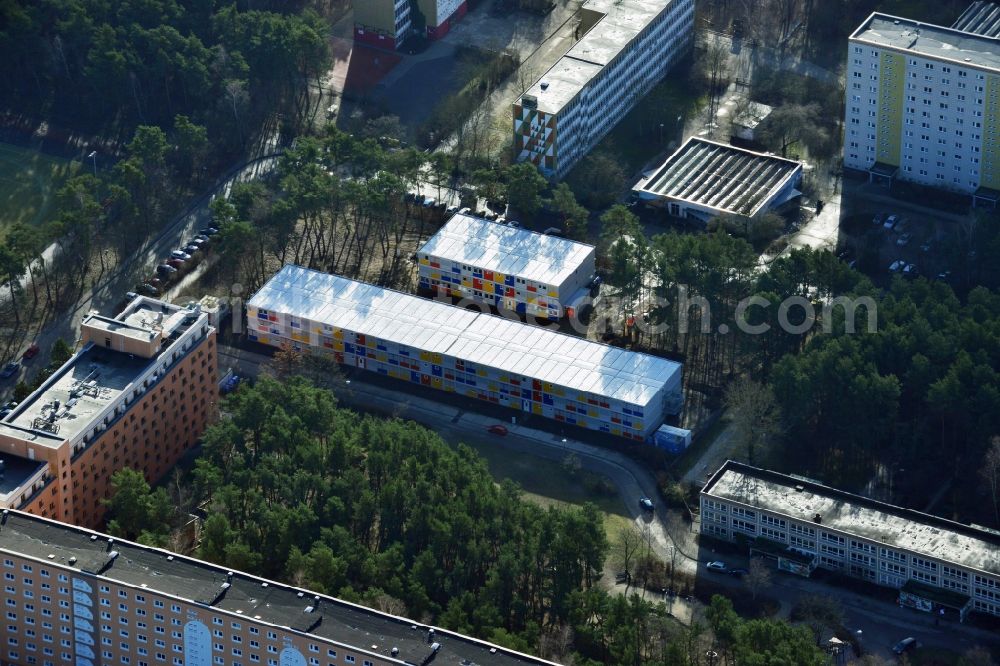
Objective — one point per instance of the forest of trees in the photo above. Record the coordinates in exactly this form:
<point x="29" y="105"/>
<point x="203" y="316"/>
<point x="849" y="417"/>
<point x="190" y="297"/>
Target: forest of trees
<point x="386" y="514"/>
<point x="111" y="66"/>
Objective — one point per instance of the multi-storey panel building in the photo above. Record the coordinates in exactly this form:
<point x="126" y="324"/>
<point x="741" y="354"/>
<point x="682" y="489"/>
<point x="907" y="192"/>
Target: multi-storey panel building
<point x="73" y="596"/>
<point x="387" y="23"/>
<point x="921" y="105"/>
<point x="138" y="394"/>
<point x="936" y="564"/>
<point x="505" y="267"/>
<point x="626" y="47"/>
<point x="437" y="345"/>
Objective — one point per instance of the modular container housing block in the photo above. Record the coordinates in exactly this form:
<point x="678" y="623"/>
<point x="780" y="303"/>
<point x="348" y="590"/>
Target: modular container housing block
<point x="491" y="358"/>
<point x="506" y="267"/>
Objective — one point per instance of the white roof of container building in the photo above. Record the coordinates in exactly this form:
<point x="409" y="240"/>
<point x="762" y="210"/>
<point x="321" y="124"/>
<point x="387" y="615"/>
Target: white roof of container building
<point x="473" y="241"/>
<point x="507" y="345"/>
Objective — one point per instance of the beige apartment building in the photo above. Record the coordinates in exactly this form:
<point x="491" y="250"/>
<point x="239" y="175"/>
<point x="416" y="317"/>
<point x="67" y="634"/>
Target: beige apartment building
<point x="77" y="597"/>
<point x="138" y="393"/>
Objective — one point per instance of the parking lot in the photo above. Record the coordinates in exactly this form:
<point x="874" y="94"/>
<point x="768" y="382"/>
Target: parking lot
<point x="883" y="236"/>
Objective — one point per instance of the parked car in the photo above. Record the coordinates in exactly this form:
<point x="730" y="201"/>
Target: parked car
<point x="904" y="239"/>
<point x="180" y="254"/>
<point x="497" y="429"/>
<point x="429" y="202"/>
<point x="197" y="241"/>
<point x="897" y="266"/>
<point x="911" y="271"/>
<point x="944" y="275"/>
<point x="148" y="289"/>
<point x="131" y="295"/>
<point x="10" y="369"/>
<point x="877" y="220"/>
<point x="513" y="223"/>
<point x="230" y="384"/>
<point x="553" y="231"/>
<point x="191" y="249"/>
<point x="165" y="270"/>
<point x="646" y="504"/>
<point x="155" y="281"/>
<point x="906" y="645"/>
<point x="451" y="210"/>
<point x="738" y="573"/>
<point x="717" y="566"/>
<point x="890" y="222"/>
<point x="208" y="231"/>
<point x="31" y="352"/>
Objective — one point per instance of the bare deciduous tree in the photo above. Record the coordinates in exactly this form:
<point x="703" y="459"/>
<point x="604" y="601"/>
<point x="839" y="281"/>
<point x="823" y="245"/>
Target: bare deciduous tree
<point x="624" y="549"/>
<point x="758" y="577"/>
<point x="990" y="472"/>
<point x="755" y="417"/>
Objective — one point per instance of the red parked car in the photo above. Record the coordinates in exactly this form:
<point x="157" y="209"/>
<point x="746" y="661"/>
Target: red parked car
<point x="31" y="352"/>
<point x="497" y="429"/>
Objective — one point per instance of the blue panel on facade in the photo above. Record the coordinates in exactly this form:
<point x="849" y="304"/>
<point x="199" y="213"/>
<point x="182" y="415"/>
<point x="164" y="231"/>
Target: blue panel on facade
<point x="251" y="335"/>
<point x="509" y="280"/>
<point x="292" y="657"/>
<point x="84" y="651"/>
<point x="82" y="611"/>
<point x="81" y="598"/>
<point x="83" y="625"/>
<point x="526" y="393"/>
<point x="348" y="348"/>
<point x="82" y="585"/>
<point x="382" y="371"/>
<point x="520" y="307"/>
<point x="83" y="661"/>
<point x="436" y="370"/>
<point x="197" y="644"/>
<point x="83" y="638"/>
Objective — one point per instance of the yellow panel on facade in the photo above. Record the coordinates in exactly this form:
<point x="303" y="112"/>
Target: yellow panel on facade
<point x="481" y="372"/>
<point x="493" y="386"/>
<point x="592" y="412"/>
<point x="436" y="382"/>
<point x="616" y="431"/>
<point x="338" y="346"/>
<point x="425" y="356"/>
<point x="470" y="393"/>
<point x="581" y="422"/>
<point x="436" y="358"/>
<point x="466" y="282"/>
<point x="454" y="292"/>
<point x="262" y="338"/>
<point x="435" y="276"/>
<point x="382" y="356"/>
<point x="498" y="278"/>
<point x="424" y="262"/>
<point x="487" y="287"/>
<point x="553" y="294"/>
<point x="338" y="334"/>
<point x="536" y="409"/>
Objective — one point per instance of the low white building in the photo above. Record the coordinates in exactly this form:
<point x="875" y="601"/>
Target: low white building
<point x="507" y="268"/>
<point x="705" y="179"/>
<point x="936" y="564"/>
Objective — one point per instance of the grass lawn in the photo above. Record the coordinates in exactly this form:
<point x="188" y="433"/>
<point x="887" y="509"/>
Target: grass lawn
<point x="546" y="483"/>
<point x="933" y="657"/>
<point x="546" y="478"/>
<point x="28" y="183"/>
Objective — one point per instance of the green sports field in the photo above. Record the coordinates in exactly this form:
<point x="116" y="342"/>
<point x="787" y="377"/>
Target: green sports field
<point x="29" y="181"/>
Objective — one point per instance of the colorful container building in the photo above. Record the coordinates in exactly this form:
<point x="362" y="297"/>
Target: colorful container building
<point x="507" y="268"/>
<point x="491" y="358"/>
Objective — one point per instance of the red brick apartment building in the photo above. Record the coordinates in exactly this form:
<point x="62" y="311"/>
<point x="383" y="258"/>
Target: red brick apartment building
<point x="138" y="394"/>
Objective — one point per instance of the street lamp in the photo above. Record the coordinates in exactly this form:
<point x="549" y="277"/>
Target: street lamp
<point x="93" y="158"/>
<point x="661" y="134"/>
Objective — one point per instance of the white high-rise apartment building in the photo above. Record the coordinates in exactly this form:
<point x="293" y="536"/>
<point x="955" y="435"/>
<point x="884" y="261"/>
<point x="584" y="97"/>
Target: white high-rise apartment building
<point x="625" y="48"/>
<point x="921" y="105"/>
